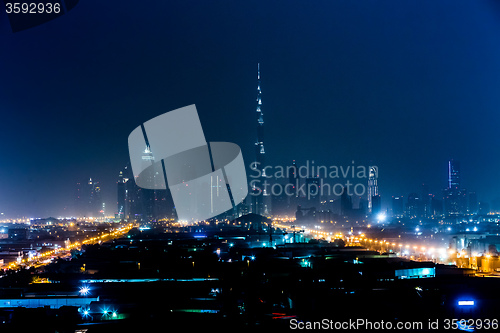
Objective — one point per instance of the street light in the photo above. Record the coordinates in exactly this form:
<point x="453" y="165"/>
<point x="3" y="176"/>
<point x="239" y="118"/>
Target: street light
<point x="84" y="291"/>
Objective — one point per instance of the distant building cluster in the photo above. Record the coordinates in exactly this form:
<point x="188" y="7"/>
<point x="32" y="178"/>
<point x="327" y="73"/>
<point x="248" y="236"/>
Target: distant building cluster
<point x="88" y="199"/>
<point x="139" y="204"/>
<point x="455" y="200"/>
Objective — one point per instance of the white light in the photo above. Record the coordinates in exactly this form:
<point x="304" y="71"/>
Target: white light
<point x="465" y="302"/>
<point x="84" y="291"/>
<point x="381" y="217"/>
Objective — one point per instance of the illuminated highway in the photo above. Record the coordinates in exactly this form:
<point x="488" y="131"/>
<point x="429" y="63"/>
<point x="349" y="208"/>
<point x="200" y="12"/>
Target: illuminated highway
<point x="46" y="257"/>
<point x="411" y="250"/>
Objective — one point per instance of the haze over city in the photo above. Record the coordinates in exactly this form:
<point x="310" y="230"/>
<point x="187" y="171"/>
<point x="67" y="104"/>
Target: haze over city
<point x="405" y="87"/>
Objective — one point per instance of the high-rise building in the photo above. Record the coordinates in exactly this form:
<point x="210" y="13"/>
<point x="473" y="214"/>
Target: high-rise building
<point x="88" y="199"/>
<point x="436" y="206"/>
<point x="293" y="175"/>
<point x="413" y="206"/>
<point x="313" y="190"/>
<point x="397" y="207"/>
<point x="473" y="204"/>
<point x="372" y="187"/>
<point x="148" y="196"/>
<point x="258" y="204"/>
<point x="376" y="205"/>
<point x="94" y="198"/>
<point x="454" y="195"/>
<point x="122" y="196"/>
<point x="426" y="209"/>
<point x="142" y="204"/>
<point x="345" y="203"/>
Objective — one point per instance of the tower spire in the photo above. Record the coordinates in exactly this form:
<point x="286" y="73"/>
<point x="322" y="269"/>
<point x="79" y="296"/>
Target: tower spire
<point x="259" y="146"/>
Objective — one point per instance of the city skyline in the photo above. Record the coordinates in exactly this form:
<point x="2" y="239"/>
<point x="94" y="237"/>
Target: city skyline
<point x="249" y="165"/>
<point x="400" y="101"/>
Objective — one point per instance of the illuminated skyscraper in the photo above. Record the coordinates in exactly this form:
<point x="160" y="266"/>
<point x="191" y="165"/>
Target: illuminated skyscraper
<point x="454" y="195"/>
<point x="454" y="175"/>
<point x="413" y="206"/>
<point x="293" y="174"/>
<point x="376" y="205"/>
<point x="313" y="191"/>
<point x="90" y="200"/>
<point x="122" y="196"/>
<point x="148" y="196"/>
<point x="473" y="206"/>
<point x="372" y="187"/>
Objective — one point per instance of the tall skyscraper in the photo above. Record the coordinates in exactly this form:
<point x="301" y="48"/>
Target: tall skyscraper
<point x="436" y="206"/>
<point x="413" y="206"/>
<point x="313" y="190"/>
<point x="95" y="199"/>
<point x="372" y="187"/>
<point x="426" y="209"/>
<point x="454" y="174"/>
<point x="376" y="205"/>
<point x="454" y="195"/>
<point x="258" y="204"/>
<point x="293" y="174"/>
<point x="133" y="207"/>
<point x="345" y="204"/>
<point x="397" y="207"/>
<point x="88" y="199"/>
<point x="473" y="204"/>
<point x="121" y="187"/>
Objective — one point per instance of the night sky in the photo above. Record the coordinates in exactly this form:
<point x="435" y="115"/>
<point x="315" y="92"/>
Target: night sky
<point x="406" y="85"/>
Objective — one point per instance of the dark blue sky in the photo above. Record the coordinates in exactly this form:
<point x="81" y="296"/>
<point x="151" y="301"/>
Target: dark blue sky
<point x="405" y="84"/>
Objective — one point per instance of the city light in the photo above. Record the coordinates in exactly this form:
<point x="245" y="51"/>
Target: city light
<point x="84" y="291"/>
<point x="381" y="217"/>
